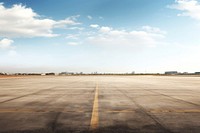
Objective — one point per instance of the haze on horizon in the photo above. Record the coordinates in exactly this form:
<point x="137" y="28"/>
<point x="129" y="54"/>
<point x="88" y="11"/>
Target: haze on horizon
<point x="102" y="36"/>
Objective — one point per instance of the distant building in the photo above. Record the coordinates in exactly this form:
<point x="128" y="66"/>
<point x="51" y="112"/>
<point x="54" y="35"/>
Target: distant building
<point x="185" y="73"/>
<point x="49" y="73"/>
<point x="133" y="72"/>
<point x="197" y="73"/>
<point x="171" y="72"/>
<point x="66" y="73"/>
<point x="63" y="73"/>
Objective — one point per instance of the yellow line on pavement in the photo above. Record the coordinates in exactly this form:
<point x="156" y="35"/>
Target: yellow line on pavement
<point x="95" y="112"/>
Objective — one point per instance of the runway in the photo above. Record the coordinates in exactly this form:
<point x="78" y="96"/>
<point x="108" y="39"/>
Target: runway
<point x="100" y="104"/>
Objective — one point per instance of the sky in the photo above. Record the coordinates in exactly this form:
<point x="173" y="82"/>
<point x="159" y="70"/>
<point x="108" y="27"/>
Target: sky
<point x="99" y="36"/>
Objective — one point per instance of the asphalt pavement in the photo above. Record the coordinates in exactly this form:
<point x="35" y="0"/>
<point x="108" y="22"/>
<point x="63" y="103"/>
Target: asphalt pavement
<point x="100" y="104"/>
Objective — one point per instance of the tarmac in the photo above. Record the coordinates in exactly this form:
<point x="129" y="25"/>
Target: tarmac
<point x="100" y="104"/>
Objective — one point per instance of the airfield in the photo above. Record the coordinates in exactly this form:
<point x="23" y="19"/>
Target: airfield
<point x="100" y="104"/>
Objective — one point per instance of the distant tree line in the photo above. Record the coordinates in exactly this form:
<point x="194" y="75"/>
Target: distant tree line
<point x="3" y="73"/>
<point x="95" y="73"/>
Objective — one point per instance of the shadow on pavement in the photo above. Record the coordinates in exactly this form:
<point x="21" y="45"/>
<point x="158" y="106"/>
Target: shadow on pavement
<point x="112" y="129"/>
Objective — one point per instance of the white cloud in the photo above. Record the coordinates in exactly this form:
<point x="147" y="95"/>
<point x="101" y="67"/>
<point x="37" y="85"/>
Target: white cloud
<point x="6" y="43"/>
<point x="75" y="17"/>
<point x="94" y="26"/>
<point x="73" y="43"/>
<point x="64" y="23"/>
<point x="75" y="28"/>
<point x="190" y="8"/>
<point x="20" y="21"/>
<point x="72" y="36"/>
<point x="89" y="17"/>
<point x="153" y="29"/>
<point x="147" y="36"/>
<point x="105" y="29"/>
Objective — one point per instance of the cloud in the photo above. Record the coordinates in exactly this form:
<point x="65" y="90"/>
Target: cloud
<point x="153" y="29"/>
<point x="6" y="43"/>
<point x="20" y="21"/>
<point x="147" y="36"/>
<point x="73" y="43"/>
<point x="105" y="29"/>
<point x="64" y="23"/>
<point x="72" y="36"/>
<point x="190" y="8"/>
<point x="94" y="25"/>
<point x="75" y="28"/>
<point x="89" y="17"/>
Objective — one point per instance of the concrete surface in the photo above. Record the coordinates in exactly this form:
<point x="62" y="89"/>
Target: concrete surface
<point x="100" y="104"/>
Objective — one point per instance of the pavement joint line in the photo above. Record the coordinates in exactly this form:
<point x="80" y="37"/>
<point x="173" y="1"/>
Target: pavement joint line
<point x="144" y="111"/>
<point x="175" y="111"/>
<point x="95" y="112"/>
<point x="29" y="110"/>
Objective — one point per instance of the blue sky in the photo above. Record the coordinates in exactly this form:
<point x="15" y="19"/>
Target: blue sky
<point x="99" y="35"/>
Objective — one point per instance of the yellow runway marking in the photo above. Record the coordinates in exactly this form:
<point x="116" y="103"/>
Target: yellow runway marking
<point x="95" y="113"/>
